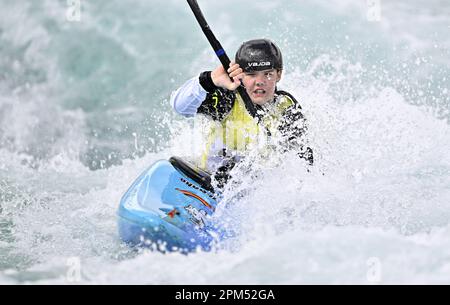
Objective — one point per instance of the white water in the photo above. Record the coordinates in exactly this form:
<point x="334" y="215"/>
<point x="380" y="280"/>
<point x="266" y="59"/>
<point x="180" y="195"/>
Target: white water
<point x="374" y="209"/>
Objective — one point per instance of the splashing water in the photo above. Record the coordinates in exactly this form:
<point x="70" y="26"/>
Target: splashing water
<point x="84" y="110"/>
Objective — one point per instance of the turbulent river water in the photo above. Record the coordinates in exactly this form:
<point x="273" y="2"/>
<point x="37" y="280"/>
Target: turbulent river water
<point x="84" y="110"/>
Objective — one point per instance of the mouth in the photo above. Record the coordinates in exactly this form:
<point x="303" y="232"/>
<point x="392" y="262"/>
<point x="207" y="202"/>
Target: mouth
<point x="259" y="92"/>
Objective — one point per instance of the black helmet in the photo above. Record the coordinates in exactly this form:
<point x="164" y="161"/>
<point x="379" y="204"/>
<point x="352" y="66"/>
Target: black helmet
<point x="258" y="55"/>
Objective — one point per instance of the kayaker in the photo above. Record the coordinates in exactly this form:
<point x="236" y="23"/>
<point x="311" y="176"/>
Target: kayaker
<point x="258" y="66"/>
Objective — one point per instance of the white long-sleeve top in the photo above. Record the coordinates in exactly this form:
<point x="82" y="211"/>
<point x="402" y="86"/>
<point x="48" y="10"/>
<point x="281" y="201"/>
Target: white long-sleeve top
<point x="188" y="98"/>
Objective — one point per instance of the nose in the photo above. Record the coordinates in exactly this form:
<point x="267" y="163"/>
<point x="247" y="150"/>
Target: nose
<point x="260" y="79"/>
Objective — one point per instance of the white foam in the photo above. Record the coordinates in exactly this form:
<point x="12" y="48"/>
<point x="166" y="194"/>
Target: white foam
<point x="377" y="193"/>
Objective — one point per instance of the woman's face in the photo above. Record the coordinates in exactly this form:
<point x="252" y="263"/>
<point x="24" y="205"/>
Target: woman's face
<point x="261" y="85"/>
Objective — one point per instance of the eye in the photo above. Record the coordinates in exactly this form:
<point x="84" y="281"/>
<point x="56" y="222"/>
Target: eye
<point x="269" y="75"/>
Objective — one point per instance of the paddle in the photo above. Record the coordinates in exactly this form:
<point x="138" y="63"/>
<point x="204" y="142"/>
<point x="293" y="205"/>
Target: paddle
<point x="220" y="52"/>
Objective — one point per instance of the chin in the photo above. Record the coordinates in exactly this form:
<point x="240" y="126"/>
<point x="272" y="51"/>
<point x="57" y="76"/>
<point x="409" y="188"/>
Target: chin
<point x="261" y="100"/>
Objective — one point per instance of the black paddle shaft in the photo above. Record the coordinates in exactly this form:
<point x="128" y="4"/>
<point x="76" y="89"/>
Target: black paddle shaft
<point x="220" y="52"/>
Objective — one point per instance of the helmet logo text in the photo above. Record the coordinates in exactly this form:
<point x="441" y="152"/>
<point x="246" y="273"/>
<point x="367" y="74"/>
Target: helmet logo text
<point x="259" y="64"/>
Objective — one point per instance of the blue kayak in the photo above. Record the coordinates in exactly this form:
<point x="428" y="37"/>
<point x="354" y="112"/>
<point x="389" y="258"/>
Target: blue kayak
<point x="169" y="207"/>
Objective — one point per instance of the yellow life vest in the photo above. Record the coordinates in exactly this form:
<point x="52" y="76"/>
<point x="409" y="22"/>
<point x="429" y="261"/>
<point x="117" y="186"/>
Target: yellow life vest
<point x="238" y="131"/>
